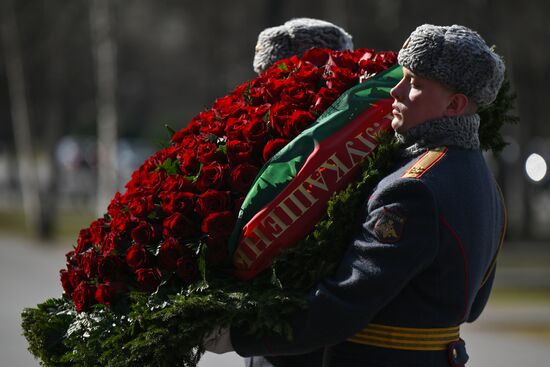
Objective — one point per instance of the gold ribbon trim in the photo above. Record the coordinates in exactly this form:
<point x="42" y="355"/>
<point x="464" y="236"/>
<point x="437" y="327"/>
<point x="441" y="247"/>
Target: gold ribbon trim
<point x="425" y="339"/>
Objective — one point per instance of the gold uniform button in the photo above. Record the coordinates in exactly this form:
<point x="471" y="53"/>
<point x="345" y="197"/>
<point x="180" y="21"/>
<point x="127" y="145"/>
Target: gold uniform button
<point x="455" y="353"/>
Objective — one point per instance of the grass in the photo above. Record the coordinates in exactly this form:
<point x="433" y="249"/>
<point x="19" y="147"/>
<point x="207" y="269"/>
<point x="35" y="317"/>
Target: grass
<point x="503" y="295"/>
<point x="67" y="225"/>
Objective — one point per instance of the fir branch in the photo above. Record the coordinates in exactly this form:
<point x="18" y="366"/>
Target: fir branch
<point x="494" y="116"/>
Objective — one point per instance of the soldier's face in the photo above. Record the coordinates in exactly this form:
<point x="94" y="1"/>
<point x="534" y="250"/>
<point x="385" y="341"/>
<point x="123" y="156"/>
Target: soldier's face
<point x="417" y="100"/>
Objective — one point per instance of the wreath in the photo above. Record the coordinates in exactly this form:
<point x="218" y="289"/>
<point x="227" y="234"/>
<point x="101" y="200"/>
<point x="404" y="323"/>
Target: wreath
<point x="160" y="270"/>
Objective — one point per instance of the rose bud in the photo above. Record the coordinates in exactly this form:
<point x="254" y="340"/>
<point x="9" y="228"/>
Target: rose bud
<point x="179" y="225"/>
<point x="89" y="263"/>
<point x="169" y="253"/>
<point x="110" y="268"/>
<point x="83" y="296"/>
<point x="242" y="177"/>
<point x="143" y="233"/>
<point x="219" y="224"/>
<point x="136" y="257"/>
<point x="65" y="281"/>
<point x="148" y="279"/>
<point x="212" y="201"/>
<point x="272" y="147"/>
<point x="106" y="293"/>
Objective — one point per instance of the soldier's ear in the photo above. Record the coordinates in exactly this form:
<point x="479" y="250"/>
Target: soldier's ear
<point x="458" y="105"/>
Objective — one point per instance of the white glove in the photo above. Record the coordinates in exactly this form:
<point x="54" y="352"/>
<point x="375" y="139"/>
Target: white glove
<point x="218" y="341"/>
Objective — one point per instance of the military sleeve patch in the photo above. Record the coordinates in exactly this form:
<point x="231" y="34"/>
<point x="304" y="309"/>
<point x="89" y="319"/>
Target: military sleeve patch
<point x="389" y="227"/>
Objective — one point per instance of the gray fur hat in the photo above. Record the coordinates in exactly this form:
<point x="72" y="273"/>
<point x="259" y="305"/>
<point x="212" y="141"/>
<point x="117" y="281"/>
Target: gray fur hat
<point x="457" y="57"/>
<point x="295" y="37"/>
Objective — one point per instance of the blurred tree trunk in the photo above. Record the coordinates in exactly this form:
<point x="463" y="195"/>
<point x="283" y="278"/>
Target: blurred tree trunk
<point x="28" y="177"/>
<point x="104" y="49"/>
<point x="58" y="25"/>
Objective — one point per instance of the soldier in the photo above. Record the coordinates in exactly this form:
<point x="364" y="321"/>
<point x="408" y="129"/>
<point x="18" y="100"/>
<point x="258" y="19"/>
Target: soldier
<point x="295" y="37"/>
<point x="423" y="259"/>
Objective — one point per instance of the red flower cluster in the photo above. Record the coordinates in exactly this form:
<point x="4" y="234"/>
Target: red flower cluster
<point x="188" y="194"/>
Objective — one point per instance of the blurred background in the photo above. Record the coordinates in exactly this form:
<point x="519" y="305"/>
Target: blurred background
<point x="87" y="87"/>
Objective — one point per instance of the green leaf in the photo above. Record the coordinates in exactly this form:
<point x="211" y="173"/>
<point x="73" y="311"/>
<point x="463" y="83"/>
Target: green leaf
<point x="282" y="66"/>
<point x="172" y="167"/>
<point x="246" y="94"/>
<point x="171" y="131"/>
<point x="222" y="148"/>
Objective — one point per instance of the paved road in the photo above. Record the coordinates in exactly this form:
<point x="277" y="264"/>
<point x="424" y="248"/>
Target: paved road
<point x="29" y="275"/>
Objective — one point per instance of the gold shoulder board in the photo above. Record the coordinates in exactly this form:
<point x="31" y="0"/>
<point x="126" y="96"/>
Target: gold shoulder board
<point x="425" y="162"/>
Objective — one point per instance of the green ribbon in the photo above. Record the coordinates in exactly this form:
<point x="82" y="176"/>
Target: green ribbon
<point x="285" y="164"/>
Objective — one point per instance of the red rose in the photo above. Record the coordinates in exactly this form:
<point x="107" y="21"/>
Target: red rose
<point x="121" y="222"/>
<point x="189" y="164"/>
<point x="106" y="293"/>
<point x="341" y="78"/>
<point x="242" y="177"/>
<point x="177" y="183"/>
<point x="190" y="130"/>
<point x="65" y="281"/>
<point x="140" y="207"/>
<point x="115" y="243"/>
<point x="238" y="152"/>
<point x="211" y="176"/>
<point x="76" y="276"/>
<point x="89" y="263"/>
<point x="344" y="60"/>
<point x="325" y="97"/>
<point x="371" y="62"/>
<point x="272" y="89"/>
<point x="115" y="205"/>
<point x="178" y="225"/>
<point x="151" y="181"/>
<point x="259" y="112"/>
<point x="177" y="201"/>
<point x="110" y="268"/>
<point x="208" y="152"/>
<point x="218" y="224"/>
<point x="256" y="132"/>
<point x="309" y="76"/>
<point x="137" y="257"/>
<point x="210" y="123"/>
<point x="387" y="58"/>
<point x="143" y="233"/>
<point x="169" y="253"/>
<point x="282" y="68"/>
<point x="298" y="96"/>
<point x="148" y="279"/>
<point x="316" y="56"/>
<point x="83" y="296"/>
<point x="189" y="142"/>
<point x="370" y="67"/>
<point x="187" y="269"/>
<point x="297" y="123"/>
<point x="279" y="115"/>
<point x="272" y="147"/>
<point x="72" y="259"/>
<point x="234" y="128"/>
<point x="98" y="229"/>
<point x="228" y="106"/>
<point x="257" y="94"/>
<point x="212" y="201"/>
<point x="84" y="241"/>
